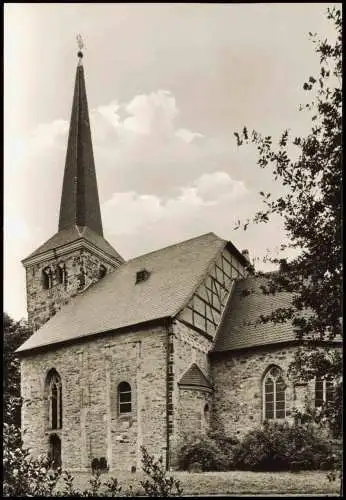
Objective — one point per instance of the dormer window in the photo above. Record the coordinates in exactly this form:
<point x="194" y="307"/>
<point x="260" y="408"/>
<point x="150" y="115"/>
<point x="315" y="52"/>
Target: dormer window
<point x="142" y="275"/>
<point x="47" y="278"/>
<point x="102" y="271"/>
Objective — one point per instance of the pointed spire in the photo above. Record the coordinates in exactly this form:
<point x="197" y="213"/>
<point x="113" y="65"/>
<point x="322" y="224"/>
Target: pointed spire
<point x="80" y="204"/>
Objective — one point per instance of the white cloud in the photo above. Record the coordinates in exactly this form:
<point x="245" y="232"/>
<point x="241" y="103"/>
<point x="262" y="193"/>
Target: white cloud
<point x="138" y="211"/>
<point x="218" y="185"/>
<point x="153" y="113"/>
<point x="110" y="113"/>
<point x="187" y="135"/>
<point x="47" y="135"/>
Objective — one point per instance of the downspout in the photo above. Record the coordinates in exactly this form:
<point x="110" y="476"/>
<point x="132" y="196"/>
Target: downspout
<point x="169" y="378"/>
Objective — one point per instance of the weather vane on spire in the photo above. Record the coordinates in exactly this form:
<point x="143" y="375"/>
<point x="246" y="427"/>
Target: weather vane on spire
<point x="80" y="46"/>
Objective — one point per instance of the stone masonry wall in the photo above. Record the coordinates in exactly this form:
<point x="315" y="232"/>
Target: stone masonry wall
<point x="90" y="373"/>
<point x="82" y="269"/>
<point x="237" y="378"/>
<point x="191" y="411"/>
<point x="189" y="347"/>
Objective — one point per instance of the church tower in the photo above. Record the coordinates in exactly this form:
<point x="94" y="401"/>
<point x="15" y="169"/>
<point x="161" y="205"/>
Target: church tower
<point x="78" y="254"/>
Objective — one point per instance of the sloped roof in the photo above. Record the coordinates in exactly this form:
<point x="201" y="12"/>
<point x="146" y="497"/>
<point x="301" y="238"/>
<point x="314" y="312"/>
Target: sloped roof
<point x="239" y="328"/>
<point x="195" y="376"/>
<point x="79" y="199"/>
<point x="117" y="301"/>
<point x="75" y="233"/>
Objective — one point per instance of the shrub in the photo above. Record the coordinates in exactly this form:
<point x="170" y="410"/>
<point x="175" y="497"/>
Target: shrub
<point x="205" y="451"/>
<point x="282" y="447"/>
<point x="227" y="446"/>
<point x="158" y="484"/>
<point x="24" y="475"/>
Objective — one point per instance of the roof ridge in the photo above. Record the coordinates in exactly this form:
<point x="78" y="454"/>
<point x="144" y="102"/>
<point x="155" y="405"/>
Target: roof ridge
<point x="174" y="245"/>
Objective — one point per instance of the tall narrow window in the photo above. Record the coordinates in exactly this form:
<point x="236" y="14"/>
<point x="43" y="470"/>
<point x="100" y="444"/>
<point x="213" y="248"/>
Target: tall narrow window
<point x="206" y="412"/>
<point x="102" y="271"/>
<point x="274" y="394"/>
<point x="47" y="278"/>
<point x="124" y="398"/>
<point x="61" y="273"/>
<point x="54" y="400"/>
<point x="324" y="391"/>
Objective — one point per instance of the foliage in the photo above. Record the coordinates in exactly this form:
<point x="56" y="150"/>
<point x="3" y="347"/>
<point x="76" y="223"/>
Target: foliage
<point x="206" y="451"/>
<point x="283" y="447"/>
<point x="14" y="334"/>
<point x="158" y="484"/>
<point x="309" y="170"/>
<point x="24" y="475"/>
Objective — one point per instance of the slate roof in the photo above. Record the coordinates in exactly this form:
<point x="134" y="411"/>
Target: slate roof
<point x="79" y="199"/>
<point x="239" y="329"/>
<point x="75" y="233"/>
<point x="117" y="301"/>
<point x="195" y="376"/>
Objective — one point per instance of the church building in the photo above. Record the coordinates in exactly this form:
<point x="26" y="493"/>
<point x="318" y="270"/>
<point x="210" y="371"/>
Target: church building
<point x="144" y="351"/>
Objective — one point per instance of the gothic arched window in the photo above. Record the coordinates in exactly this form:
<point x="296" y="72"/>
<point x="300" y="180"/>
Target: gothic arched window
<point x="47" y="278"/>
<point x="324" y="391"/>
<point x="274" y="394"/>
<point x="124" y="398"/>
<point x="61" y="273"/>
<point x="54" y="388"/>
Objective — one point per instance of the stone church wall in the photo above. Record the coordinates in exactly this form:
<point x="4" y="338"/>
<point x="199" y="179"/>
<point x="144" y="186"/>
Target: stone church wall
<point x="189" y="347"/>
<point x="82" y="269"/>
<point x="90" y="373"/>
<point x="237" y="378"/>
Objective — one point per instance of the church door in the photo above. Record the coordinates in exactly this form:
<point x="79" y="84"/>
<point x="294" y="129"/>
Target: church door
<point x="55" y="450"/>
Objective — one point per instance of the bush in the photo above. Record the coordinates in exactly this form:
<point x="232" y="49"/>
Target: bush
<point x="24" y="475"/>
<point x="277" y="447"/>
<point x="158" y="484"/>
<point x="227" y="446"/>
<point x="205" y="451"/>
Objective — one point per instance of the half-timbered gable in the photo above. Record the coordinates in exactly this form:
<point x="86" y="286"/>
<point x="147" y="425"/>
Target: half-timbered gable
<point x="205" y="308"/>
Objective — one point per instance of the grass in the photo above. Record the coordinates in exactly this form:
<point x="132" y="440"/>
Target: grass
<point x="236" y="482"/>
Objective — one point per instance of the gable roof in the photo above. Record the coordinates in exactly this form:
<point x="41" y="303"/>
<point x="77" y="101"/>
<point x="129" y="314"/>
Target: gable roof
<point x="117" y="301"/>
<point x="195" y="376"/>
<point x="239" y="328"/>
<point x="73" y="234"/>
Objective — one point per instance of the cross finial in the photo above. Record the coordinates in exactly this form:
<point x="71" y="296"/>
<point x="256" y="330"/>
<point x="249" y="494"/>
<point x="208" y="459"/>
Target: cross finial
<point x="80" y="46"/>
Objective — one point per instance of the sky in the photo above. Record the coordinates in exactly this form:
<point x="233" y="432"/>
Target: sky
<point x="167" y="85"/>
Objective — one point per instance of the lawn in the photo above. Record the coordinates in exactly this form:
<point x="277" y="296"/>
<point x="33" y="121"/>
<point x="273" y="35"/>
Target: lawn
<point x="236" y="482"/>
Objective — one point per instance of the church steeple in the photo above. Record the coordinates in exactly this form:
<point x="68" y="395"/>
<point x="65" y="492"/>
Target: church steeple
<point x="78" y="255"/>
<point x="80" y="204"/>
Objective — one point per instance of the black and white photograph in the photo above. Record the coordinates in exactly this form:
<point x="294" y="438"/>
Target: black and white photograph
<point x="173" y="279"/>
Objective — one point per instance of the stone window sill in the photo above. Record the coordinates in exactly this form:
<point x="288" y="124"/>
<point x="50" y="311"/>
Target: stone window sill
<point x="53" y="431"/>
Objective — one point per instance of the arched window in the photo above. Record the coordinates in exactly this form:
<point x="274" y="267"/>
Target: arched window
<point x="54" y="400"/>
<point x="206" y="413"/>
<point x="61" y="273"/>
<point x="47" y="278"/>
<point x="274" y="394"/>
<point x="102" y="271"/>
<point x="324" y="391"/>
<point x="124" y="398"/>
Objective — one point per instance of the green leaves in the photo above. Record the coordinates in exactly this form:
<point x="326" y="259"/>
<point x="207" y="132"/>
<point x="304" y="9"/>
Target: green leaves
<point x="310" y="207"/>
<point x="158" y="484"/>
